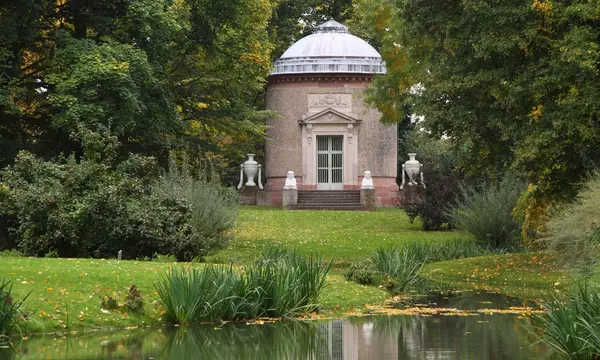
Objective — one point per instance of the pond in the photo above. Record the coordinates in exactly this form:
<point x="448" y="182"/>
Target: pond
<point x="449" y="334"/>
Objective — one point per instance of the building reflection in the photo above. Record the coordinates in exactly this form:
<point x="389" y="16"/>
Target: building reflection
<point x="479" y="337"/>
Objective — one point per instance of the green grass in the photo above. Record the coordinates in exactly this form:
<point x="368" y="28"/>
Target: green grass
<point x="526" y="275"/>
<point x="65" y="293"/>
<point x="345" y="236"/>
<point x="341" y="296"/>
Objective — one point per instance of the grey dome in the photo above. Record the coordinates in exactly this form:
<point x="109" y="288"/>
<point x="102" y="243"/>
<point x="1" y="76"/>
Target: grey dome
<point x="331" y="49"/>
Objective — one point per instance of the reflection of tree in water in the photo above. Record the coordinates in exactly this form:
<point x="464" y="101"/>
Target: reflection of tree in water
<point x="295" y="340"/>
<point x="483" y="337"/>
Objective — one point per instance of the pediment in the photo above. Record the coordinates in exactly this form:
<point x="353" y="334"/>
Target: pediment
<point x="329" y="116"/>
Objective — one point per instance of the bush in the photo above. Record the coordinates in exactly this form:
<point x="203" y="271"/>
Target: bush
<point x="362" y="273"/>
<point x="574" y="231"/>
<point x="87" y="209"/>
<point x="284" y="287"/>
<point x="98" y="205"/>
<point x="486" y="213"/>
<point x="213" y="208"/>
<point x="441" y="177"/>
<point x="442" y="187"/>
<point x="572" y="327"/>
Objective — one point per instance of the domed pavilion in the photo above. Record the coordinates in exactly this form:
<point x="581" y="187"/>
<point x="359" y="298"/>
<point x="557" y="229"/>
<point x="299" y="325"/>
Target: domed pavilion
<point x="325" y="133"/>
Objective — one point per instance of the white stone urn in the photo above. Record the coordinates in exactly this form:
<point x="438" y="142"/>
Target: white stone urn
<point x="412" y="168"/>
<point x="250" y="167"/>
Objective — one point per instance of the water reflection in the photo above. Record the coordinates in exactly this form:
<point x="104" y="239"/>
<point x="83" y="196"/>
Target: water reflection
<point x="481" y="337"/>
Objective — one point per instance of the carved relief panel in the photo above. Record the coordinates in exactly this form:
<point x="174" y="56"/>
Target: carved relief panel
<point x="341" y="102"/>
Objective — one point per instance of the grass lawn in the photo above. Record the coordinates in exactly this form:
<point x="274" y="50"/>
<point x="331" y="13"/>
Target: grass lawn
<point x="65" y="293"/>
<point x="342" y="235"/>
<point x="527" y="275"/>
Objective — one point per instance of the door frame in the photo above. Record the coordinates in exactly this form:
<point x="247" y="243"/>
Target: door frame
<point x="330" y="185"/>
<point x="329" y="122"/>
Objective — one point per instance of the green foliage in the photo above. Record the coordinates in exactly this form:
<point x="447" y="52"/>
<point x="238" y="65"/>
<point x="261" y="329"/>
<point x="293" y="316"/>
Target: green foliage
<point x="111" y="86"/>
<point x="9" y="311"/>
<point x="98" y="205"/>
<point x="430" y="203"/>
<point x="441" y="178"/>
<point x="285" y="287"/>
<point x="571" y="327"/>
<point x="399" y="265"/>
<point x="514" y="84"/>
<point x="459" y="248"/>
<point x="362" y="273"/>
<point x="487" y="214"/>
<point x="213" y="208"/>
<point x="10" y="253"/>
<point x="406" y="262"/>
<point x="157" y="74"/>
<point x="573" y="231"/>
<point x="88" y="209"/>
<point x="133" y="301"/>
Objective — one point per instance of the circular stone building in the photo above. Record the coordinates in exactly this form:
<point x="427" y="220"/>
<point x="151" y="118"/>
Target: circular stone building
<point x="325" y="133"/>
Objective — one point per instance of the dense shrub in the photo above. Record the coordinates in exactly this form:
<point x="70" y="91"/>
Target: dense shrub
<point x="96" y="206"/>
<point x="213" y="208"/>
<point x="574" y="231"/>
<point x="442" y="187"/>
<point x="362" y="273"/>
<point x="87" y="209"/>
<point x="288" y="286"/>
<point x="487" y="213"/>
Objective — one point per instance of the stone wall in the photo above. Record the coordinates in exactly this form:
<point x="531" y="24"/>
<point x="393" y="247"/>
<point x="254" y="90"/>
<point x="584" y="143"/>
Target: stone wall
<point x="295" y="97"/>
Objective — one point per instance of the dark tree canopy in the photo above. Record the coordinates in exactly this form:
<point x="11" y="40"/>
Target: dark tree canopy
<point x="515" y="84"/>
<point x="155" y="73"/>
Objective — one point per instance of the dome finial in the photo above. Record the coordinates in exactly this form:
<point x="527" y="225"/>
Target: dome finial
<point x="331" y="26"/>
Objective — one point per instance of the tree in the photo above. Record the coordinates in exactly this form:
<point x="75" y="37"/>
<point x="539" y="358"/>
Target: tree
<point x="156" y="73"/>
<point x="515" y="83"/>
<point x="295" y="19"/>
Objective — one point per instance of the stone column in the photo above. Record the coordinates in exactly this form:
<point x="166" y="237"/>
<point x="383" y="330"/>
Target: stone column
<point x="367" y="198"/>
<point x="290" y="198"/>
<point x="248" y="195"/>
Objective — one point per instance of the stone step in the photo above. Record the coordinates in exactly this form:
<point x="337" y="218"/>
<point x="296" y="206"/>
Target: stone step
<point x="328" y="191"/>
<point x="329" y="201"/>
<point x="329" y="207"/>
<point x="329" y="198"/>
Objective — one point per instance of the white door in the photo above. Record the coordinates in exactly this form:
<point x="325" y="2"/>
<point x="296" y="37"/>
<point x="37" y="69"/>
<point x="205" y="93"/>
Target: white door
<point x="330" y="169"/>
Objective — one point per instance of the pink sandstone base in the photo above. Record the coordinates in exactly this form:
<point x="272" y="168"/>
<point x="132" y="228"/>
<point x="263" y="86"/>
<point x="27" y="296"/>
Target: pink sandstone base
<point x="386" y="191"/>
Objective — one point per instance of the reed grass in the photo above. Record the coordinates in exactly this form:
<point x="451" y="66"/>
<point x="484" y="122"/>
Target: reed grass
<point x="572" y="327"/>
<point x="9" y="311"/>
<point x="457" y="248"/>
<point x="400" y="265"/>
<point x="285" y="287"/>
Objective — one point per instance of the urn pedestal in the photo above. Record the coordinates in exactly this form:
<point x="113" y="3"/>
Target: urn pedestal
<point x="412" y="168"/>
